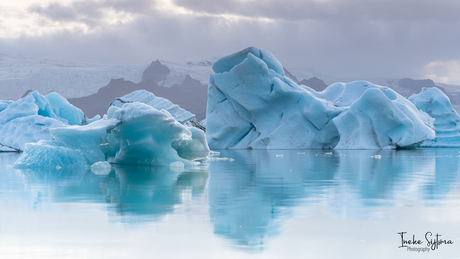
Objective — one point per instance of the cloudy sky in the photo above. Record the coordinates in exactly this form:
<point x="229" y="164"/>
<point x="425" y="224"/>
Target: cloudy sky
<point x="358" y="38"/>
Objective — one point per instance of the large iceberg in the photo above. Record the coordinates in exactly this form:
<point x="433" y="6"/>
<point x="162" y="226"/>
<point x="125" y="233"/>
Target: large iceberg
<point x="135" y="133"/>
<point x="253" y="105"/>
<point x="29" y="119"/>
<point x="447" y="121"/>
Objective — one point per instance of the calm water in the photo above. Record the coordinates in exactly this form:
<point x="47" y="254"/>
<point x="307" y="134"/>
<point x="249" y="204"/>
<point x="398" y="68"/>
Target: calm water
<point x="264" y="204"/>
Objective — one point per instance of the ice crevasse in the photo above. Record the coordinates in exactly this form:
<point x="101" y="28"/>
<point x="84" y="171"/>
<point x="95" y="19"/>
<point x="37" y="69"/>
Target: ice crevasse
<point x="131" y="133"/>
<point x="253" y="105"/>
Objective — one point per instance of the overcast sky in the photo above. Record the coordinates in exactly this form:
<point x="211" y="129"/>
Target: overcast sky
<point x="359" y="38"/>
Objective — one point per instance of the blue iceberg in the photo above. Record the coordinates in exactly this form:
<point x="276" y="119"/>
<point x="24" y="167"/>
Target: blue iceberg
<point x="253" y="105"/>
<point x="159" y="103"/>
<point x="447" y="121"/>
<point x="30" y="119"/>
<point x="135" y="133"/>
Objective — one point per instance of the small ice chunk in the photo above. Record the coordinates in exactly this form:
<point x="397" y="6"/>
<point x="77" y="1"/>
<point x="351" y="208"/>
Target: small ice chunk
<point x="101" y="168"/>
<point x="213" y="153"/>
<point x="58" y="167"/>
<point x="177" y="166"/>
<point x="219" y="158"/>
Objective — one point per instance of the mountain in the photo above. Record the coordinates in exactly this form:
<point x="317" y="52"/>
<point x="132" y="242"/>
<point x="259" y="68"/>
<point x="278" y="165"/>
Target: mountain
<point x="190" y="94"/>
<point x="314" y="83"/>
<point x="91" y="86"/>
<point x="70" y="78"/>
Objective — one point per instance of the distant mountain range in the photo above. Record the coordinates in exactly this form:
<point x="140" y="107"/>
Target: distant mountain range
<point x="92" y="86"/>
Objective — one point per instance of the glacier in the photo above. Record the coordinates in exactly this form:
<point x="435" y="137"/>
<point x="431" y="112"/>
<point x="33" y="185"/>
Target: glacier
<point x="447" y="121"/>
<point x="131" y="133"/>
<point x="253" y="105"/>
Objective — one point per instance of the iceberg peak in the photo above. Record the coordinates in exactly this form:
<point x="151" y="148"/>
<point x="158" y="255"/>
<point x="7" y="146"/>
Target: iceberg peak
<point x="225" y="64"/>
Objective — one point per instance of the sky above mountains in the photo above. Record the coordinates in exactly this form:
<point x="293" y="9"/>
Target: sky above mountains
<point x="356" y="38"/>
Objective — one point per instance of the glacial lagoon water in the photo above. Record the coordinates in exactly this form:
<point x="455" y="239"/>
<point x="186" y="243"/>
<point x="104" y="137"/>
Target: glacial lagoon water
<point x="240" y="204"/>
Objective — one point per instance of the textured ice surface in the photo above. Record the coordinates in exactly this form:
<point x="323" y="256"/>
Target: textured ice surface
<point x="30" y="118"/>
<point x="376" y="121"/>
<point x="74" y="146"/>
<point x="135" y="133"/>
<point x="252" y="104"/>
<point x="447" y="122"/>
<point x="148" y="136"/>
<point x="158" y="103"/>
<point x="4" y="104"/>
<point x="196" y="149"/>
<point x="17" y="132"/>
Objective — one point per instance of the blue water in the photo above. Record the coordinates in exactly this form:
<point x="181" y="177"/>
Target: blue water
<point x="241" y="204"/>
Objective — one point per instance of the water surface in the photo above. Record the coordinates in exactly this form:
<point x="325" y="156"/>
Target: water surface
<point x="240" y="204"/>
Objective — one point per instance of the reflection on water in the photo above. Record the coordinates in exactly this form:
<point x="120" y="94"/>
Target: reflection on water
<point x="250" y="199"/>
<point x="136" y="192"/>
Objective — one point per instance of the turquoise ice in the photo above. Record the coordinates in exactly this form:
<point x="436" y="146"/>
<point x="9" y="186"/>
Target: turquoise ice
<point x="253" y="105"/>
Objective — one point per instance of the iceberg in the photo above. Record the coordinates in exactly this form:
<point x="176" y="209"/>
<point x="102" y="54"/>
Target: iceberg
<point x="4" y="104"/>
<point x="377" y="117"/>
<point x="29" y="119"/>
<point x="135" y="133"/>
<point x="447" y="121"/>
<point x="158" y="103"/>
<point x="148" y="136"/>
<point x="72" y="147"/>
<point x="253" y="105"/>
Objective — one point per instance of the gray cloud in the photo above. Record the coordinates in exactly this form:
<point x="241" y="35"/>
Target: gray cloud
<point x="343" y="38"/>
<point x="386" y="10"/>
<point x="89" y="12"/>
<point x="77" y="11"/>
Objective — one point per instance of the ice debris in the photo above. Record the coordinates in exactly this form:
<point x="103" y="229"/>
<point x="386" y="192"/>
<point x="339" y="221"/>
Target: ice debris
<point x="253" y="105"/>
<point x="101" y="168"/>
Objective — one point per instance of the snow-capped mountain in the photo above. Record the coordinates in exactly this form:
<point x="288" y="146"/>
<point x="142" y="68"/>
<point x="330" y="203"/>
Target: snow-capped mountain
<point x="92" y="86"/>
<point x="70" y="78"/>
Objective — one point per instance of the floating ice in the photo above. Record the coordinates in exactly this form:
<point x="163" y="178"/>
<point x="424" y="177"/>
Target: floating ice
<point x="74" y="146"/>
<point x="158" y="103"/>
<point x="177" y="166"/>
<point x="101" y="168"/>
<point x="447" y="121"/>
<point x="136" y="133"/>
<point x="376" y="120"/>
<point x="4" y="104"/>
<point x="150" y="137"/>
<point x="30" y="118"/>
<point x="253" y="105"/>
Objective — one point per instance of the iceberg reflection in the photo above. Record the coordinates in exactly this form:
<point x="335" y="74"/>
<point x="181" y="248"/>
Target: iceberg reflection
<point x="251" y="194"/>
<point x="132" y="193"/>
<point x="250" y="198"/>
